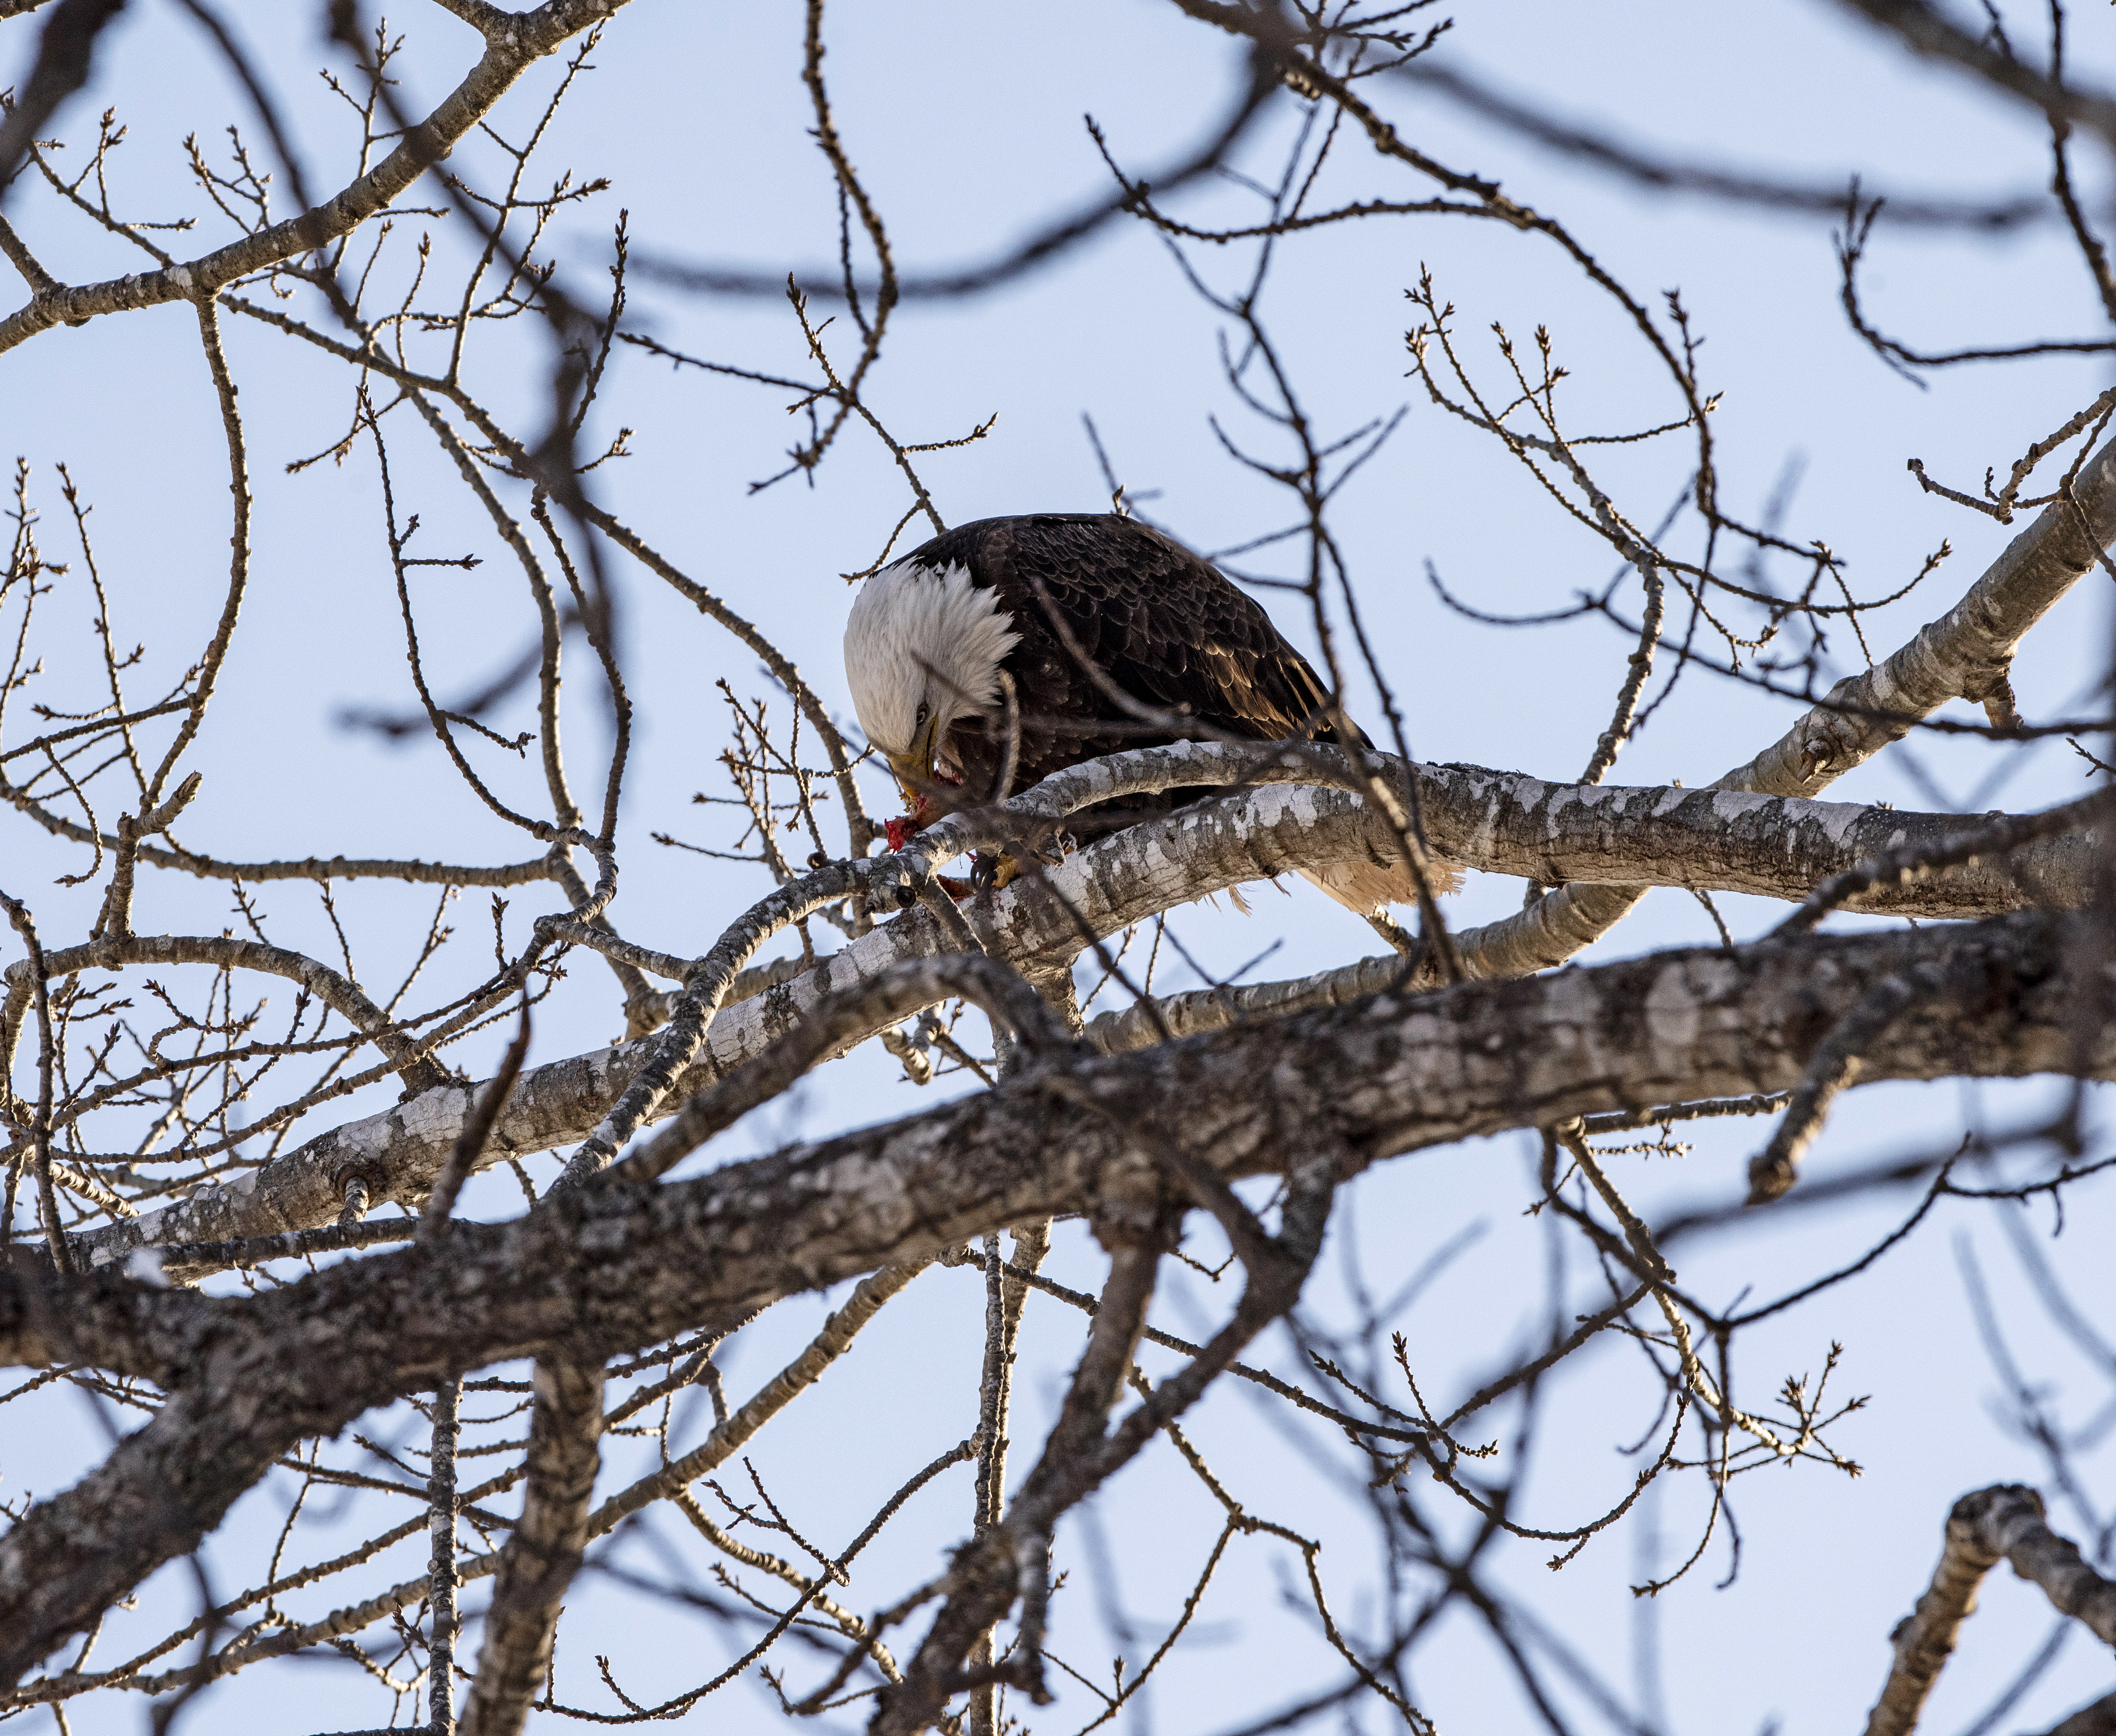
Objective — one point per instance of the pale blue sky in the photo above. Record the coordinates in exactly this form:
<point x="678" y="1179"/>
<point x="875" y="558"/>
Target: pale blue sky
<point x="965" y="121"/>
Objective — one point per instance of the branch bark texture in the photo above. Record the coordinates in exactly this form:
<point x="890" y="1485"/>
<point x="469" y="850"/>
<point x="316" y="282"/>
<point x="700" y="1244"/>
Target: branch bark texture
<point x="542" y="1551"/>
<point x="609" y="1268"/>
<point x="1506" y="822"/>
<point x="1965" y="654"/>
<point x="2004" y="1522"/>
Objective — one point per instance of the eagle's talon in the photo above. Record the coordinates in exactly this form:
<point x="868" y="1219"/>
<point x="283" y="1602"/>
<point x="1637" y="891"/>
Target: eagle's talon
<point x="992" y="873"/>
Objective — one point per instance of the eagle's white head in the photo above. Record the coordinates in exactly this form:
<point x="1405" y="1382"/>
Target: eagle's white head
<point x="923" y="649"/>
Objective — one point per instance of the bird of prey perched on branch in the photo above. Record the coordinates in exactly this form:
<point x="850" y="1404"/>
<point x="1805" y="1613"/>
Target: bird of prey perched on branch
<point x="1081" y="610"/>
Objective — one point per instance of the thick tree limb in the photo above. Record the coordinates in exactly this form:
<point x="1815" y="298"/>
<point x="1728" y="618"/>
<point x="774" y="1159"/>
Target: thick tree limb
<point x="2096" y="1720"/>
<point x="2003" y="1522"/>
<point x="1910" y="853"/>
<point x="1834" y="1067"/>
<point x="2002" y="838"/>
<point x="1513" y="823"/>
<point x="1509" y="823"/>
<point x="609" y="1269"/>
<point x="833" y="1341"/>
<point x="1965" y="654"/>
<point x="542" y="1551"/>
<point x="850" y="1015"/>
<point x="1201" y="1010"/>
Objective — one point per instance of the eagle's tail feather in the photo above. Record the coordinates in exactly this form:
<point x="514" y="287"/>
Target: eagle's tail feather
<point x="1367" y="889"/>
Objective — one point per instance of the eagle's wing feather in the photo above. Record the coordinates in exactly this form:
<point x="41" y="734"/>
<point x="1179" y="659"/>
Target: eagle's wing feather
<point x="1163" y="624"/>
<point x="1164" y="627"/>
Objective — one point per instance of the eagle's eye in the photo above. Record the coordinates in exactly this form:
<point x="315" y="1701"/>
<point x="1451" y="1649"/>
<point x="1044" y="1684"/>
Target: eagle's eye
<point x="923" y="709"/>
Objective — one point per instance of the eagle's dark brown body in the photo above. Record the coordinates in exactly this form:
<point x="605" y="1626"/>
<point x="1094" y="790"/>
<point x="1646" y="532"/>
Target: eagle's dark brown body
<point x="1162" y="624"/>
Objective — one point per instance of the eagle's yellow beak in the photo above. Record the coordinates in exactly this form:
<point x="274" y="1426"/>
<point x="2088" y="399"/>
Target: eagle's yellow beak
<point x="909" y="776"/>
<point x="914" y="768"/>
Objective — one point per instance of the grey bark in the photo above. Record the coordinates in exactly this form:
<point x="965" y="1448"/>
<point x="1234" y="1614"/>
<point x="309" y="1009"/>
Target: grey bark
<point x="2001" y="1523"/>
<point x="671" y="1481"/>
<point x="541" y="1552"/>
<point x="441" y="1498"/>
<point x="1514" y="824"/>
<point x="610" y="1268"/>
<point x="1966" y="653"/>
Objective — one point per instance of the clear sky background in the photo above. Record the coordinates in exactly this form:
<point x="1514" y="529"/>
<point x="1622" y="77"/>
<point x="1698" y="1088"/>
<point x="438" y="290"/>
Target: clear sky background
<point x="965" y="121"/>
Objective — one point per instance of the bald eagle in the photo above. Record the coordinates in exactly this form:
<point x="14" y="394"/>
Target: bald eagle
<point x="929" y="637"/>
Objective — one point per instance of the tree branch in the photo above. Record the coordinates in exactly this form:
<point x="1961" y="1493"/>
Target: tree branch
<point x="542" y="1551"/>
<point x="609" y="1269"/>
<point x="2002" y="1523"/>
<point x="64" y="51"/>
<point x="1966" y="653"/>
<point x="529" y="38"/>
<point x="1511" y="824"/>
<point x="342" y="996"/>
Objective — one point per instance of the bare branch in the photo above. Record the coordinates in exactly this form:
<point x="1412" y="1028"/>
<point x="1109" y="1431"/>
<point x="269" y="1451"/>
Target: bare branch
<point x="1966" y="653"/>
<point x="531" y="36"/>
<point x="2003" y="1522"/>
<point x="609" y="1269"/>
<point x="64" y="51"/>
<point x="543" y="1550"/>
